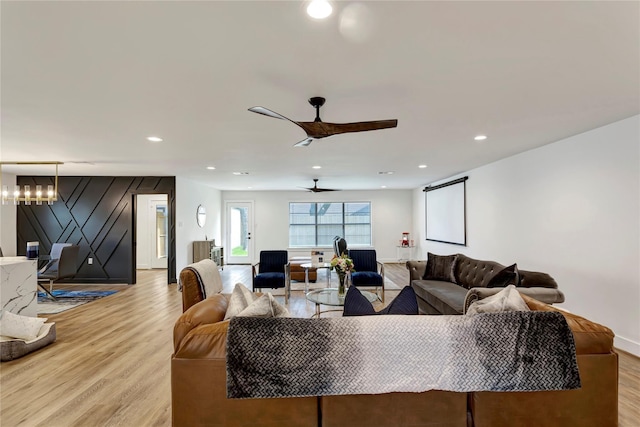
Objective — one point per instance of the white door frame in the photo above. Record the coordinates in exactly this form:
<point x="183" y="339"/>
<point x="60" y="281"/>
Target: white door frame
<point x="228" y="258"/>
<point x="155" y="261"/>
<point x="146" y="230"/>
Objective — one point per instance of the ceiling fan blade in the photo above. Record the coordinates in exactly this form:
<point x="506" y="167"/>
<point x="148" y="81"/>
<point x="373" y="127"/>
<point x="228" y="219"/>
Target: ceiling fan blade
<point x="319" y="130"/>
<point x="267" y="112"/>
<point x="304" y="143"/>
<point x="318" y="190"/>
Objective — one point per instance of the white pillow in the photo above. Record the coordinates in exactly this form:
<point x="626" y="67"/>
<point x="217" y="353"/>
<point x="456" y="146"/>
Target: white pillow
<point x="245" y="303"/>
<point x="508" y="299"/>
<point x="21" y="327"/>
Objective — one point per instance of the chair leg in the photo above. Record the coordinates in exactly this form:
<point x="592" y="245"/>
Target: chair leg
<point x="287" y="292"/>
<point x="47" y="291"/>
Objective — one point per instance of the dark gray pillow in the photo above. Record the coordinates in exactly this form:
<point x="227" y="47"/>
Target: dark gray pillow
<point x="533" y="279"/>
<point x="355" y="304"/>
<point x="505" y="277"/>
<point x="440" y="267"/>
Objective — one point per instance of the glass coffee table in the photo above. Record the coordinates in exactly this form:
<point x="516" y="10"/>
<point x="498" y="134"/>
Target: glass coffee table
<point x="330" y="296"/>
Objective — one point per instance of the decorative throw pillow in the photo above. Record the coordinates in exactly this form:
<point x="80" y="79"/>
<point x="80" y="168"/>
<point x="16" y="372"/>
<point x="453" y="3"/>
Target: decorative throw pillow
<point x="505" y="277"/>
<point x="245" y="303"/>
<point x="531" y="279"/>
<point x="405" y="303"/>
<point x="21" y="327"/>
<point x="440" y="267"/>
<point x="508" y="299"/>
<point x="355" y="304"/>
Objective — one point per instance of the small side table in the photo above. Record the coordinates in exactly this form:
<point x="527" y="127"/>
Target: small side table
<point x="317" y="266"/>
<point x="407" y="251"/>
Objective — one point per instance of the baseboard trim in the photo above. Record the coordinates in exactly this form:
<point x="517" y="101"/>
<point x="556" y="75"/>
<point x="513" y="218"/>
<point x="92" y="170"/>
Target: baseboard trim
<point x="627" y="345"/>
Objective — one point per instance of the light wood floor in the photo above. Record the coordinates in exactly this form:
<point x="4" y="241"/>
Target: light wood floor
<point x="110" y="365"/>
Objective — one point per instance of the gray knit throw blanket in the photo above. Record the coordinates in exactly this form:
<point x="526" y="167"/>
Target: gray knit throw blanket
<point x="286" y="357"/>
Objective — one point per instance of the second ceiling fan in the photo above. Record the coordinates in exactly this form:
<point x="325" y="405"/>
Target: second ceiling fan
<point x="316" y="189"/>
<point x="318" y="129"/>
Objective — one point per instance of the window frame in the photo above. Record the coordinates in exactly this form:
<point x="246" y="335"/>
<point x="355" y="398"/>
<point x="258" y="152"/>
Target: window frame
<point x="342" y="224"/>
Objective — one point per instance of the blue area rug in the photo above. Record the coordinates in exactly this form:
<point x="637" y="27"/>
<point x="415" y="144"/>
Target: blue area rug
<point x="67" y="300"/>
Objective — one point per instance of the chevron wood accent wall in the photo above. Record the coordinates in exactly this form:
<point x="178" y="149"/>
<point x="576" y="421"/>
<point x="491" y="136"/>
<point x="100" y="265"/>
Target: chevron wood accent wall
<point x="96" y="213"/>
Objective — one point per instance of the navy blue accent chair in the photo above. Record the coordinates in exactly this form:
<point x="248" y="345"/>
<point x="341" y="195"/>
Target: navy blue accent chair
<point x="273" y="272"/>
<point x="368" y="271"/>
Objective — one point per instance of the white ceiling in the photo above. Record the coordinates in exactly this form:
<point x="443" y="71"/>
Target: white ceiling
<point x="86" y="82"/>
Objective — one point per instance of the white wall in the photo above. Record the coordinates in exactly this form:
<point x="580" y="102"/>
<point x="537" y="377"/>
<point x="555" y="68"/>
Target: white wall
<point x="570" y="209"/>
<point x="391" y="214"/>
<point x="190" y="194"/>
<point x="8" y="220"/>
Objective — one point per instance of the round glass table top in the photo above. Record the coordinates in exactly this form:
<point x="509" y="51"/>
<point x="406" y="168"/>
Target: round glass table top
<point x="329" y="296"/>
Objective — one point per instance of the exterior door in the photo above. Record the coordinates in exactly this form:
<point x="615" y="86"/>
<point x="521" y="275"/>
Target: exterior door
<point x="239" y="228"/>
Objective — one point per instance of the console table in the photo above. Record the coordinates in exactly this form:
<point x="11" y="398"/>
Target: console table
<point x="19" y="285"/>
<point x="203" y="249"/>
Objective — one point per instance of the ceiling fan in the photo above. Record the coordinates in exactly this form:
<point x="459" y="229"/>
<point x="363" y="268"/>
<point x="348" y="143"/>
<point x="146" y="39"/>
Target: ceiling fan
<point x="315" y="188"/>
<point x="318" y="129"/>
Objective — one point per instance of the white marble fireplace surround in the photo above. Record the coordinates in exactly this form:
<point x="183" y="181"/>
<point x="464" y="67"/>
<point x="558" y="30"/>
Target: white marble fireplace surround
<point x="19" y="285"/>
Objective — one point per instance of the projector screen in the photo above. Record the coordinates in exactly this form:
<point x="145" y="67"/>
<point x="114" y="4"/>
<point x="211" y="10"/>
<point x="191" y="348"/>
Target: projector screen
<point x="445" y="212"/>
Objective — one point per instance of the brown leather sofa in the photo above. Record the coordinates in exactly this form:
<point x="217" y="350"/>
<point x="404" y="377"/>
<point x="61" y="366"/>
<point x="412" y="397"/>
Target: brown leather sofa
<point x="198" y="388"/>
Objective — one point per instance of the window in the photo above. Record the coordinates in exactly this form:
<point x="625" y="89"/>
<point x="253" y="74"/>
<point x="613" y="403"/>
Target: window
<point x="316" y="224"/>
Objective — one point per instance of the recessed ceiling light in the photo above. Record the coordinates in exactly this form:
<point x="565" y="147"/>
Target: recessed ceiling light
<point x="211" y="167"/>
<point x="154" y="139"/>
<point x="241" y="173"/>
<point x="319" y="9"/>
<point x="480" y="137"/>
<point x="316" y="167"/>
<point x="422" y="166"/>
<point x="383" y="186"/>
<point x="385" y="173"/>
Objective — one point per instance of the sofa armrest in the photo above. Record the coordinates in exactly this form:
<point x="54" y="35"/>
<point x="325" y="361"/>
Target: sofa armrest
<point x="209" y="310"/>
<point x="416" y="270"/>
<point x="545" y="295"/>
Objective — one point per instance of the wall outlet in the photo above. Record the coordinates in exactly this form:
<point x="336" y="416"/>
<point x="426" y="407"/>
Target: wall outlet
<point x="90" y="261"/>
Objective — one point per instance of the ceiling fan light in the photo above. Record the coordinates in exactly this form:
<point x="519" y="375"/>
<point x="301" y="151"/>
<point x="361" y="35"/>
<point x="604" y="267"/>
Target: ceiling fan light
<point x="319" y="9"/>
